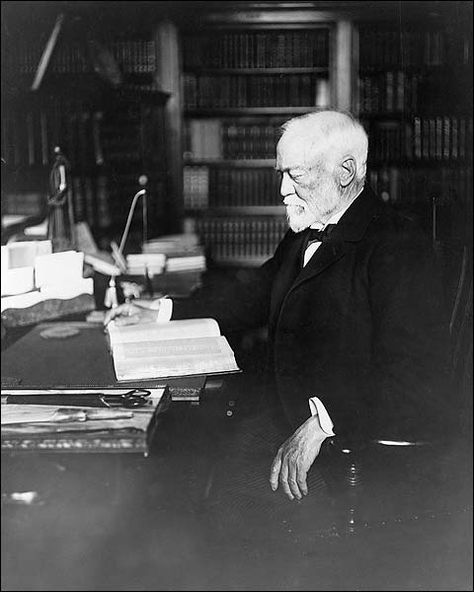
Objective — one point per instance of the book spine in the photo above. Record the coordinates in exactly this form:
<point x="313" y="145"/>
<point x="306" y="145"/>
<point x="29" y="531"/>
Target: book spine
<point x="239" y="239"/>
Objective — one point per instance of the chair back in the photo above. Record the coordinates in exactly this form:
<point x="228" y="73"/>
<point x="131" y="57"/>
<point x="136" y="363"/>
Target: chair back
<point x="460" y="328"/>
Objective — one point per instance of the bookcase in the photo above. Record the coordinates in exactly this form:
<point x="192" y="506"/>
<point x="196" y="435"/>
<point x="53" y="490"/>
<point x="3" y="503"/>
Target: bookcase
<point x="100" y="103"/>
<point x="232" y="76"/>
<point x="415" y="99"/>
<point x="408" y="75"/>
<point x="240" y="82"/>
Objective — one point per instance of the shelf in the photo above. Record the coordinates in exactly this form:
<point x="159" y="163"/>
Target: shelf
<point x="239" y="211"/>
<point x="411" y="69"/>
<point x="234" y="163"/>
<point x="409" y="115"/>
<point x="215" y="112"/>
<point x="89" y="89"/>
<point x="419" y="163"/>
<point x="286" y="70"/>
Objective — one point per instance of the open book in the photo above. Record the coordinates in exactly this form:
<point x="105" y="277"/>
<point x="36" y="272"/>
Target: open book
<point x="175" y="348"/>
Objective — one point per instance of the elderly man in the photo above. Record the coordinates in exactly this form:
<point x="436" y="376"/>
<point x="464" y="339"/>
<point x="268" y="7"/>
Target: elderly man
<point x="352" y="303"/>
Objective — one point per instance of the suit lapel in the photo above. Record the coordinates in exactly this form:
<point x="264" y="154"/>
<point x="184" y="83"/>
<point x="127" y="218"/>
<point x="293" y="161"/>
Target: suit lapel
<point x="288" y="271"/>
<point x="327" y="254"/>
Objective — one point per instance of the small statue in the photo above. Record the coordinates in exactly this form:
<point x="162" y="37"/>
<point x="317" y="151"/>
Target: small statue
<point x="61" y="214"/>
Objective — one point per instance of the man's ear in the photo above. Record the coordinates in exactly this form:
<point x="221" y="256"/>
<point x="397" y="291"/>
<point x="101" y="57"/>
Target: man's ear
<point x="347" y="171"/>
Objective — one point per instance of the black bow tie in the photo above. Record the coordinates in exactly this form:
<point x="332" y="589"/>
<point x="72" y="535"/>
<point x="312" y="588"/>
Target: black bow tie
<point x="319" y="236"/>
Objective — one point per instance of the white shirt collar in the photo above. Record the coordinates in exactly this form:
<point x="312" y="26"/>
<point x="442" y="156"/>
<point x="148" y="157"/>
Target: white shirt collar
<point x="334" y="219"/>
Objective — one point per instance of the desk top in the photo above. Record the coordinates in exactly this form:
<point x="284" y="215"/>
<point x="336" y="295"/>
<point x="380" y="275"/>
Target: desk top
<point x="80" y="360"/>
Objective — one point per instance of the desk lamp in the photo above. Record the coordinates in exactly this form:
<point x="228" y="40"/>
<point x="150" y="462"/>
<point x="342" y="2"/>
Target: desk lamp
<point x="111" y="300"/>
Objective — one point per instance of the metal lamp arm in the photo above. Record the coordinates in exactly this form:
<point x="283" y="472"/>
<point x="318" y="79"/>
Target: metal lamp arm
<point x="129" y="219"/>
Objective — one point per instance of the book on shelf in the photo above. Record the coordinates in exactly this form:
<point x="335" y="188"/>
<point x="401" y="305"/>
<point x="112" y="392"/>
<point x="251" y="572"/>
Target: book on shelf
<point x="196" y="187"/>
<point x="256" y="49"/>
<point x="205" y="138"/>
<point x="382" y="48"/>
<point x="63" y="428"/>
<point x="135" y="55"/>
<point x="238" y="239"/>
<point x="420" y="138"/>
<point x="206" y="91"/>
<point x="176" y="348"/>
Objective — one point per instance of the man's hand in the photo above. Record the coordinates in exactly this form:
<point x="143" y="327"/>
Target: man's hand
<point x="295" y="457"/>
<point x="130" y="314"/>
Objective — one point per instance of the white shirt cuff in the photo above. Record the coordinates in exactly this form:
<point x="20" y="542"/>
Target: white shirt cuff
<point x="165" y="310"/>
<point x="317" y="408"/>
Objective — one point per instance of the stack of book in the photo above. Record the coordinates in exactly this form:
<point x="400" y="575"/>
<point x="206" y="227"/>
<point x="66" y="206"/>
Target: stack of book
<point x="196" y="262"/>
<point x="39" y="285"/>
<point x="173" y="264"/>
<point x="145" y="263"/>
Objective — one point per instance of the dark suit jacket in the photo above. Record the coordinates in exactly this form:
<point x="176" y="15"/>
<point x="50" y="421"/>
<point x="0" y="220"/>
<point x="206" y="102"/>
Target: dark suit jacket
<point x="362" y="326"/>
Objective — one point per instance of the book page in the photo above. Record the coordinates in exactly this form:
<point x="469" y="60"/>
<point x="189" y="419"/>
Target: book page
<point x="151" y="332"/>
<point x="173" y="357"/>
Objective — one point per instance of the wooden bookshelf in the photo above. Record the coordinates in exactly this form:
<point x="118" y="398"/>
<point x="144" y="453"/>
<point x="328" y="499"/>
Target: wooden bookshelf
<point x="240" y="83"/>
<point x="415" y="100"/>
<point x="111" y="133"/>
<point x="233" y="163"/>
<point x="287" y="70"/>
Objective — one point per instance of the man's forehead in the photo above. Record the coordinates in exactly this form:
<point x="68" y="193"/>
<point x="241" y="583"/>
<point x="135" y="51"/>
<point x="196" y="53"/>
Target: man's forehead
<point x="292" y="153"/>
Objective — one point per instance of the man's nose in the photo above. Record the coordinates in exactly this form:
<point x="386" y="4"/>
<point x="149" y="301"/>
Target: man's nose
<point x="286" y="185"/>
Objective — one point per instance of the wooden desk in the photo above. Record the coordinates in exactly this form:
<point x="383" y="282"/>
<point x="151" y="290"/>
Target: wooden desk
<point x="121" y="522"/>
<point x="88" y="521"/>
<point x="82" y="359"/>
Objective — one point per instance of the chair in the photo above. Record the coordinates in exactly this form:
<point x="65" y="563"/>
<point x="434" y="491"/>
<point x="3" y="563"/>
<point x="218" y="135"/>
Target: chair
<point x="460" y="328"/>
<point x="391" y="485"/>
<point x="428" y="480"/>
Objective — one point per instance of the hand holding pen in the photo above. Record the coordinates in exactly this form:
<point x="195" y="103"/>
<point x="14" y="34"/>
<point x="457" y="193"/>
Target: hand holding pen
<point x="133" y="312"/>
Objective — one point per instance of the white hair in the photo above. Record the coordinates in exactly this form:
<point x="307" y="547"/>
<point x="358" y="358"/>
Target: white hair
<point x="333" y="134"/>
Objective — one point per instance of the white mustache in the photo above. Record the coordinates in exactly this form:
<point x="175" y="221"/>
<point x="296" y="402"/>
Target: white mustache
<point x="292" y="202"/>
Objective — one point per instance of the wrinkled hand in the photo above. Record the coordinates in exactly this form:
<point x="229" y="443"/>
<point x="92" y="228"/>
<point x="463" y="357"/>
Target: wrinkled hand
<point x="130" y="314"/>
<point x="295" y="457"/>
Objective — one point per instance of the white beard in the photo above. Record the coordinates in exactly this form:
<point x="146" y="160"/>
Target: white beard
<point x="301" y="215"/>
<point x="298" y="217"/>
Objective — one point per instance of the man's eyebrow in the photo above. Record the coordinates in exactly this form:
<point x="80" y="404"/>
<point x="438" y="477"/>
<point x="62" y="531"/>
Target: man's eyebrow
<point x="292" y="171"/>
